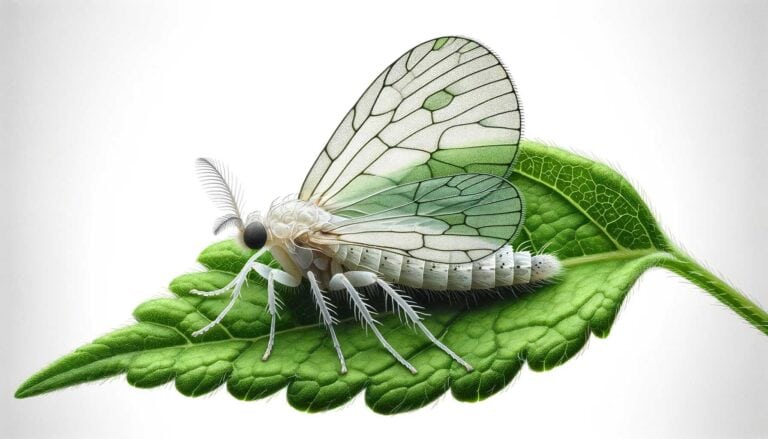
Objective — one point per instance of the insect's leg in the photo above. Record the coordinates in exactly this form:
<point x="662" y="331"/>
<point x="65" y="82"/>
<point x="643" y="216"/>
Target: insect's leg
<point x="329" y="319"/>
<point x="235" y="286"/>
<point x="238" y="280"/>
<point x="340" y="281"/>
<point x="404" y="303"/>
<point x="223" y="313"/>
<point x="223" y="290"/>
<point x="272" y="275"/>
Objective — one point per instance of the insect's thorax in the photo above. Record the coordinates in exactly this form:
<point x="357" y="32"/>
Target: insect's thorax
<point x="289" y="219"/>
<point x="290" y="223"/>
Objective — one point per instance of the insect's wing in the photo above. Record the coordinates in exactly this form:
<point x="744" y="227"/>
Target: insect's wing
<point x="455" y="219"/>
<point x="418" y="119"/>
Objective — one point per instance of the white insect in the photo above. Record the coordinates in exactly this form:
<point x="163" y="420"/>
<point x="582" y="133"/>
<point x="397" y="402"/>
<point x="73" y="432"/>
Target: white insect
<point x="404" y="193"/>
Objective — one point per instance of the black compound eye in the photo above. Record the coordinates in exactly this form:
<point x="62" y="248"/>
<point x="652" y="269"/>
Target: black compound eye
<point x="255" y="235"/>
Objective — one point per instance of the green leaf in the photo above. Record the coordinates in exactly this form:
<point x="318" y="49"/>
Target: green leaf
<point x="582" y="211"/>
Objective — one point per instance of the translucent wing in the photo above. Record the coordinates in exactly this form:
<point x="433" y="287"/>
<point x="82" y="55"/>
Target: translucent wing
<point x="455" y="219"/>
<point x="418" y="119"/>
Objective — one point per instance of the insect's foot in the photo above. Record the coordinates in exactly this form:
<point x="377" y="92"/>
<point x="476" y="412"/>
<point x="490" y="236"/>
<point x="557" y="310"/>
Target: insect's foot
<point x="218" y="292"/>
<point x="270" y="343"/>
<point x="203" y="330"/>
<point x="396" y="355"/>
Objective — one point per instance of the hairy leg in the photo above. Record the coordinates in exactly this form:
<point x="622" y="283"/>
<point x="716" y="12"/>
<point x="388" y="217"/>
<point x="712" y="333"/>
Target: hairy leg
<point x="235" y="286"/>
<point x="403" y="302"/>
<point x="273" y="275"/>
<point x="342" y="281"/>
<point x="238" y="280"/>
<point x="266" y="272"/>
<point x="326" y="313"/>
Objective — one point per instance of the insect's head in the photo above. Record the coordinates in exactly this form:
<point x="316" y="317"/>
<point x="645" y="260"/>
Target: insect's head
<point x="225" y="194"/>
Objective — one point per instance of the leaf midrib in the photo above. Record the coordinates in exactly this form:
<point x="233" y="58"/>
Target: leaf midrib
<point x="615" y="255"/>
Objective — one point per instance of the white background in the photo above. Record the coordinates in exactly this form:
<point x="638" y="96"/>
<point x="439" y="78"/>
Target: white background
<point x="105" y="105"/>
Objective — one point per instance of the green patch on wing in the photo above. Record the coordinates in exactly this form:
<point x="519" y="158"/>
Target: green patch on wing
<point x="439" y="43"/>
<point x="586" y="213"/>
<point x="438" y="100"/>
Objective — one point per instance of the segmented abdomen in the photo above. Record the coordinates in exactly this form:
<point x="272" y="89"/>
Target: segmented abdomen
<point x="503" y="268"/>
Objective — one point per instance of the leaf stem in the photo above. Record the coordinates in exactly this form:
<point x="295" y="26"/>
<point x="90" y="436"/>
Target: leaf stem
<point x="686" y="267"/>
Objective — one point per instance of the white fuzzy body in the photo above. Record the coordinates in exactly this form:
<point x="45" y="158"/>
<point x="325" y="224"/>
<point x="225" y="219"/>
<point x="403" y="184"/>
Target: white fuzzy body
<point x="503" y="268"/>
<point x="298" y="243"/>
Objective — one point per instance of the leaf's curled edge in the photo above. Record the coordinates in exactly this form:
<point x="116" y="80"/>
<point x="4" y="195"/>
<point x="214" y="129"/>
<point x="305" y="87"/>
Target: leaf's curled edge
<point x="582" y="211"/>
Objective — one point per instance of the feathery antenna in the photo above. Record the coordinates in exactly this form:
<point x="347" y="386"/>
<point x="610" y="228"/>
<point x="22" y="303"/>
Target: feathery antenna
<point x="223" y="190"/>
